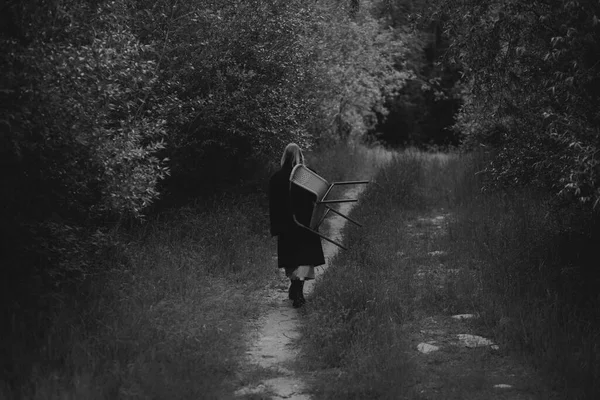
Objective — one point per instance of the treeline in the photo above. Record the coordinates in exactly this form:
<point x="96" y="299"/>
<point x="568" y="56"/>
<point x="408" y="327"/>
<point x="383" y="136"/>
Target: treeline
<point x="107" y="106"/>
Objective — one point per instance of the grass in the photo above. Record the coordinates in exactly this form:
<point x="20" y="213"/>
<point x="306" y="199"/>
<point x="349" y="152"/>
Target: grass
<point x="520" y="261"/>
<point x="354" y="321"/>
<point x="166" y="317"/>
<point x="536" y="260"/>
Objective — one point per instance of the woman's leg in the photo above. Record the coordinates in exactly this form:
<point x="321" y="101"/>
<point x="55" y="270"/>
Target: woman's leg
<point x="292" y="290"/>
<point x="289" y="272"/>
<point x="300" y="292"/>
<point x="299" y="296"/>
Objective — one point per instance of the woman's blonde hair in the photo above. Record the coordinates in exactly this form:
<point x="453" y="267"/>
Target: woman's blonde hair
<point x="292" y="155"/>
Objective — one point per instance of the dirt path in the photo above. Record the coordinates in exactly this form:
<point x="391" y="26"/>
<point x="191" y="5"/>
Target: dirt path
<point x="273" y="350"/>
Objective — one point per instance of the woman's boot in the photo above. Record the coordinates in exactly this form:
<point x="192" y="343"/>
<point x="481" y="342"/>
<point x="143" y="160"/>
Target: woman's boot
<point x="300" y="292"/>
<point x="298" y="295"/>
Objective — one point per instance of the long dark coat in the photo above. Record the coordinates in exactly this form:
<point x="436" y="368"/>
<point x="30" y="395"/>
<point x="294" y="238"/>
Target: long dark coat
<point x="295" y="245"/>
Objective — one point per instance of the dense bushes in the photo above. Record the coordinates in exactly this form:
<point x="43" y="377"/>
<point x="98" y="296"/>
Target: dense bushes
<point x="250" y="76"/>
<point x="104" y="99"/>
<point x="106" y="104"/>
<point x="533" y="77"/>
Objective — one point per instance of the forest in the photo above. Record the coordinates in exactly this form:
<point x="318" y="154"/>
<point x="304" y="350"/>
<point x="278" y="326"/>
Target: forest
<point x="124" y="117"/>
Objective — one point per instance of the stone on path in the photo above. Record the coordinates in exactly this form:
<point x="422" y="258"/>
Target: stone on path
<point x="245" y="391"/>
<point x="474" y="340"/>
<point x="464" y="316"/>
<point x="437" y="253"/>
<point x="427" y="348"/>
<point x="503" y="386"/>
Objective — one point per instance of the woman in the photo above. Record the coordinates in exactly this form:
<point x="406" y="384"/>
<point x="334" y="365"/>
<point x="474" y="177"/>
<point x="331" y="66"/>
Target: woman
<point x="299" y="250"/>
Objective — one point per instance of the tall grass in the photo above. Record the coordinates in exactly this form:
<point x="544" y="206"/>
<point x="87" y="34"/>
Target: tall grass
<point x="353" y="329"/>
<point x="166" y="317"/>
<point x="537" y="262"/>
<point x="523" y="261"/>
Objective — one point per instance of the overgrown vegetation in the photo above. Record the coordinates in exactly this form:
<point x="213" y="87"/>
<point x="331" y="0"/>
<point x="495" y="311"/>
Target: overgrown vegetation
<point x="421" y="114"/>
<point x="519" y="259"/>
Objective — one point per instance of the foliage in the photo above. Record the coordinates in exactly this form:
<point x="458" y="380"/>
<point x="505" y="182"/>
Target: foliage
<point x="360" y="73"/>
<point x="533" y="74"/>
<point x="235" y="73"/>
<point x="91" y="93"/>
<point x="72" y="128"/>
